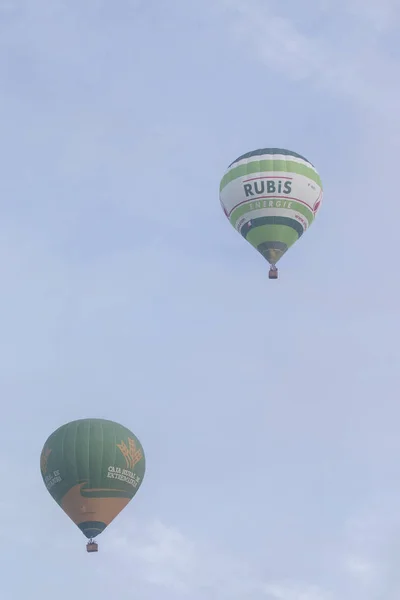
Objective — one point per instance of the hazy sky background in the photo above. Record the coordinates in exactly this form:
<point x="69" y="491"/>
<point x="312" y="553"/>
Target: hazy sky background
<point x="269" y="411"/>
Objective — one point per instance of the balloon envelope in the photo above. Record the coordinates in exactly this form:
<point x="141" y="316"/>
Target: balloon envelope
<point x="271" y="196"/>
<point x="92" y="468"/>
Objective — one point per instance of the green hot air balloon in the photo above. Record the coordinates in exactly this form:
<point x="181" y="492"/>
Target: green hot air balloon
<point x="271" y="196"/>
<point x="92" y="468"/>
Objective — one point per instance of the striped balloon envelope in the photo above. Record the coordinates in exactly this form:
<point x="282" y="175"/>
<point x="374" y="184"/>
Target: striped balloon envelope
<point x="271" y="196"/>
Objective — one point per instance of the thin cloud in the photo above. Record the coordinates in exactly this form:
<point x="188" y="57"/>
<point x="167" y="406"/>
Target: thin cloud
<point x="166" y="558"/>
<point x="343" y="68"/>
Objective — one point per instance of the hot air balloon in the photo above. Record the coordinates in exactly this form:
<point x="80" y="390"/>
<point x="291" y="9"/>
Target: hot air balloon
<point x="271" y="196"/>
<point x="92" y="468"/>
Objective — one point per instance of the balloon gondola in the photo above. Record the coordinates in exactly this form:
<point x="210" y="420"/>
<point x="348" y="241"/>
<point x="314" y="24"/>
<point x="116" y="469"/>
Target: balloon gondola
<point x="273" y="272"/>
<point x="92" y="546"/>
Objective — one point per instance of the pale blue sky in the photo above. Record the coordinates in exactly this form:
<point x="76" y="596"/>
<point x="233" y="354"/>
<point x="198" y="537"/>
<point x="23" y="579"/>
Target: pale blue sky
<point x="268" y="411"/>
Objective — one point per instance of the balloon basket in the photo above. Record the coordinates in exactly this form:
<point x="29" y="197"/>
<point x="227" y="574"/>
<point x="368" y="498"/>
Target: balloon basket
<point x="273" y="273"/>
<point x="92" y="546"/>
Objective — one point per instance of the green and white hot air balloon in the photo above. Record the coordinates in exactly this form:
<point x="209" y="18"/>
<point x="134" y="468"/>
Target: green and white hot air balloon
<point x="271" y="196"/>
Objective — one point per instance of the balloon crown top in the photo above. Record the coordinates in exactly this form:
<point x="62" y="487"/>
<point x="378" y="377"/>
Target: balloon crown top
<point x="272" y="151"/>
